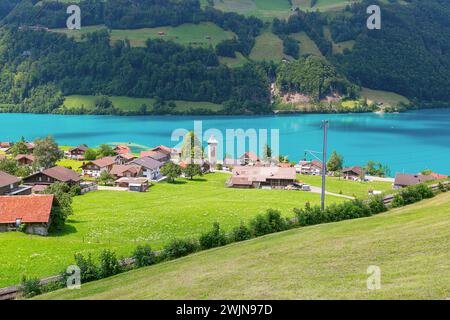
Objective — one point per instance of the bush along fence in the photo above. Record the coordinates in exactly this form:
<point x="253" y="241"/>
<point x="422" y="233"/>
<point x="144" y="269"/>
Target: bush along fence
<point x="271" y="221"/>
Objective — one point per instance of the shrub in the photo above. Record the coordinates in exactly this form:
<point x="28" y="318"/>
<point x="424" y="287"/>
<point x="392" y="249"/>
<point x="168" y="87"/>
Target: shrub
<point x="270" y="222"/>
<point x="75" y="190"/>
<point x="376" y="204"/>
<point x="213" y="238"/>
<point x="424" y="190"/>
<point x="309" y="215"/>
<point x="442" y="187"/>
<point x="240" y="233"/>
<point x="109" y="265"/>
<point x="397" y="201"/>
<point x="143" y="256"/>
<point x="219" y="167"/>
<point x="179" y="248"/>
<point x="88" y="270"/>
<point x="30" y="287"/>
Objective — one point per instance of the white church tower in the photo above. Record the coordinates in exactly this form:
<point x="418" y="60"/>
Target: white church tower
<point x="212" y="151"/>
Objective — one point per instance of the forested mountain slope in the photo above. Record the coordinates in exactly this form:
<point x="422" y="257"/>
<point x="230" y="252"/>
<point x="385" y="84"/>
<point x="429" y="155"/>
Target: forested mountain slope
<point x="409" y="56"/>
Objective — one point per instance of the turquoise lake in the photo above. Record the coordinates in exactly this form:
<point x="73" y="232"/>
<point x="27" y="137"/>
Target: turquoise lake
<point x="407" y="142"/>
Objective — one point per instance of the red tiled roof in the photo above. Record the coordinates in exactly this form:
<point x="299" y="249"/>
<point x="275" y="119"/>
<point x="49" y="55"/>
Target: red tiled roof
<point x="30" y="209"/>
<point x="120" y="149"/>
<point x="104" y="162"/>
<point x="148" y="153"/>
<point x="354" y="169"/>
<point x="24" y="156"/>
<point x="163" y="149"/>
<point x="118" y="170"/>
<point x="439" y="176"/>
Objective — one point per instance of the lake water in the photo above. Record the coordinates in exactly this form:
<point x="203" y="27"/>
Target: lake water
<point x="407" y="142"/>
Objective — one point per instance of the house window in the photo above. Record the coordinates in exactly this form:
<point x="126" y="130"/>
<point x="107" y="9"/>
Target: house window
<point x="11" y="186"/>
<point x="18" y="222"/>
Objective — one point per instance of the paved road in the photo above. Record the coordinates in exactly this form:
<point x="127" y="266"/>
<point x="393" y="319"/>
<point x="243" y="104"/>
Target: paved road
<point x="319" y="190"/>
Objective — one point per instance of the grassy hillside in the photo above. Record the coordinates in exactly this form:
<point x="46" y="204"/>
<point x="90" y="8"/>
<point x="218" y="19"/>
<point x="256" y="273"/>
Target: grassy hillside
<point x="121" y="220"/>
<point x="410" y="245"/>
<point x="200" y="35"/>
<point x="268" y="46"/>
<point x="307" y="46"/>
<point x="263" y="9"/>
<point x="385" y="97"/>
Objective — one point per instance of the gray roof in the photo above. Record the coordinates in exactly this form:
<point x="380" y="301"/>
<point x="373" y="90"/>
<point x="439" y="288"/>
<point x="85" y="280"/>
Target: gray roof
<point x="402" y="179"/>
<point x="148" y="163"/>
<point x="158" y="156"/>
<point x="7" y="179"/>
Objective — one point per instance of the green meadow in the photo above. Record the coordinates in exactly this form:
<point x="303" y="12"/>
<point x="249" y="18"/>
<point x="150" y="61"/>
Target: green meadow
<point x="385" y="97"/>
<point x="201" y="35"/>
<point x="120" y="220"/>
<point x="328" y="261"/>
<point x="130" y="104"/>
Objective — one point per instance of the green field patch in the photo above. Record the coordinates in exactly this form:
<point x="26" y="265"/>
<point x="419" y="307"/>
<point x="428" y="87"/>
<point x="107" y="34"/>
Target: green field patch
<point x="130" y="104"/>
<point x="204" y="34"/>
<point x="263" y="9"/>
<point x="385" y="97"/>
<point x="307" y="46"/>
<point x="328" y="261"/>
<point x="323" y="5"/>
<point x="121" y="220"/>
<point x="347" y="187"/>
<point x="268" y="47"/>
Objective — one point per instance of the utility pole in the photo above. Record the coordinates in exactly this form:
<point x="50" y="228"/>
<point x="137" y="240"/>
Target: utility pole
<point x="324" y="160"/>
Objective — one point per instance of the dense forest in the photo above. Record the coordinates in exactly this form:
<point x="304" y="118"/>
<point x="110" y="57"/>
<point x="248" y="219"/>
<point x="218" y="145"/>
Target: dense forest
<point x="410" y="55"/>
<point x="39" y="62"/>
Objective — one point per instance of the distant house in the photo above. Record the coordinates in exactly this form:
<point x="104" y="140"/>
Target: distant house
<point x="125" y="158"/>
<point x="151" y="167"/>
<point x="96" y="167"/>
<point x="78" y="152"/>
<point x="438" y="176"/>
<point x="160" y="153"/>
<point x="5" y="145"/>
<point x="52" y="175"/>
<point x="30" y="147"/>
<point x="313" y="167"/>
<point x="122" y="149"/>
<point x="249" y="158"/>
<point x="126" y="170"/>
<point x="262" y="177"/>
<point x="354" y="173"/>
<point x="10" y="185"/>
<point x="25" y="160"/>
<point x="33" y="210"/>
<point x="133" y="184"/>
<point x="405" y="180"/>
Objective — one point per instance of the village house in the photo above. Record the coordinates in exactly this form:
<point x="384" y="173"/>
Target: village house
<point x="126" y="170"/>
<point x="262" y="177"/>
<point x="403" y="180"/>
<point x="313" y="167"/>
<point x="25" y="160"/>
<point x="5" y="145"/>
<point x="10" y="185"/>
<point x="77" y="153"/>
<point x="354" y="173"/>
<point x="34" y="211"/>
<point x="122" y="149"/>
<point x="133" y="184"/>
<point x="124" y="158"/>
<point x="96" y="167"/>
<point x="30" y="147"/>
<point x="151" y="167"/>
<point x="157" y="155"/>
<point x="52" y="175"/>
